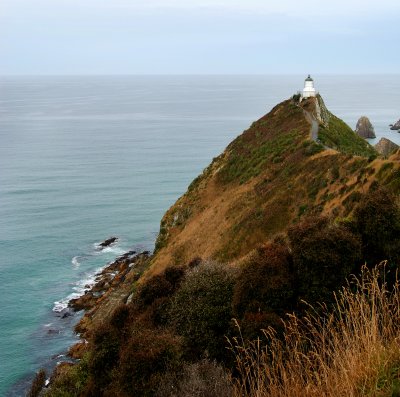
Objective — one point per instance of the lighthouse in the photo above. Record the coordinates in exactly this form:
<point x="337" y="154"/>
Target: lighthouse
<point x="309" y="89"/>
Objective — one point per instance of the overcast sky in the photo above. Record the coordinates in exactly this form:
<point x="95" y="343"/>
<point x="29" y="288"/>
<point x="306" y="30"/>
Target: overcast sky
<point x="199" y="36"/>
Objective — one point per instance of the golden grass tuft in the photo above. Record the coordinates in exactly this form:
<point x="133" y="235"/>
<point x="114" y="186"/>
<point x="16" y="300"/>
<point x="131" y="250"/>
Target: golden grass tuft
<point x="352" y="350"/>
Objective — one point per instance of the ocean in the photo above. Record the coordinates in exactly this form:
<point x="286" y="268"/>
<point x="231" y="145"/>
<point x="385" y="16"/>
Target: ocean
<point x="86" y="158"/>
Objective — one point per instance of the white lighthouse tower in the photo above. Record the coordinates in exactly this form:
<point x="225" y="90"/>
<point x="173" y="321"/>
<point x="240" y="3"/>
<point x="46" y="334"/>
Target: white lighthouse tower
<point x="309" y="90"/>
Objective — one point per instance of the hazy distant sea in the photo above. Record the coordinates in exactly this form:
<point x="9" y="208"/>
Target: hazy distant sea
<point x="85" y="158"/>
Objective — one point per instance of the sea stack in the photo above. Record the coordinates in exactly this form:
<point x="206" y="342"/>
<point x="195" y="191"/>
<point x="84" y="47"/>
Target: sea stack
<point x="395" y="126"/>
<point x="364" y="128"/>
<point x="386" y="147"/>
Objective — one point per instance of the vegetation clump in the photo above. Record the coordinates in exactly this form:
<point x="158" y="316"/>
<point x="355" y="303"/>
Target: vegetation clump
<point x="201" y="309"/>
<point x="199" y="379"/>
<point x="37" y="384"/>
<point x="265" y="282"/>
<point x="146" y="356"/>
<point x="377" y="220"/>
<point x="324" y="254"/>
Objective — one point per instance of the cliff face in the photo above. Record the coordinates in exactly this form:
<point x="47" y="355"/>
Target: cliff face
<point x="267" y="179"/>
<point x="364" y="128"/>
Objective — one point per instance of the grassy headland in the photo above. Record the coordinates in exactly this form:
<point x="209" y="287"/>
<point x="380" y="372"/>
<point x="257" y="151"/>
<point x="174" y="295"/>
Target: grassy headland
<point x="275" y="221"/>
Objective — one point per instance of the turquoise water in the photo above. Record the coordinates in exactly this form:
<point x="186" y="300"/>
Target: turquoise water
<point x="85" y="158"/>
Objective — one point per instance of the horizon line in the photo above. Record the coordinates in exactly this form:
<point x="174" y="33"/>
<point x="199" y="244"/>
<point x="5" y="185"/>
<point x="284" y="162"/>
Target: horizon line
<point x="194" y="74"/>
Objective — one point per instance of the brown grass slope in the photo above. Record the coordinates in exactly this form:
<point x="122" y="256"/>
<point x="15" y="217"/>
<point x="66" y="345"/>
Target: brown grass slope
<point x="265" y="181"/>
<point x="352" y="349"/>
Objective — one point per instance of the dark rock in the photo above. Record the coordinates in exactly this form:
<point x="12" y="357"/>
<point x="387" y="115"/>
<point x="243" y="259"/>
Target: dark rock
<point x="364" y="128"/>
<point x="395" y="126"/>
<point x="66" y="314"/>
<point x="84" y="302"/>
<point x="53" y="331"/>
<point x="386" y="147"/>
<point x="108" y="242"/>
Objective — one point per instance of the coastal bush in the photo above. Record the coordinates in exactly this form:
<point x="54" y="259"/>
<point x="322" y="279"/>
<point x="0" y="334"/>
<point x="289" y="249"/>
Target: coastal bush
<point x="296" y="98"/>
<point x="377" y="220"/>
<point x="252" y="324"/>
<point x="324" y="254"/>
<point x="199" y="379"/>
<point x="71" y="381"/>
<point x="146" y="356"/>
<point x="154" y="288"/>
<point x="120" y="316"/>
<point x="150" y="305"/>
<point x="201" y="309"/>
<point x="265" y="282"/>
<point x="104" y="354"/>
<point x="37" y="384"/>
<point x="159" y="286"/>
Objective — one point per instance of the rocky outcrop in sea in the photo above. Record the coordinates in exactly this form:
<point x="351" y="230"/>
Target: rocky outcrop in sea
<point x="364" y="128"/>
<point x="395" y="126"/>
<point x="108" y="242"/>
<point x="386" y="147"/>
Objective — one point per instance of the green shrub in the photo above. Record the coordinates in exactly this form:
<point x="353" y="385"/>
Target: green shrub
<point x="120" y="316"/>
<point x="201" y="309"/>
<point x="104" y="354"/>
<point x="204" y="378"/>
<point x="265" y="282"/>
<point x="37" y="384"/>
<point x="296" y="98"/>
<point x="72" y="381"/>
<point x="324" y="254"/>
<point x="377" y="219"/>
<point x="159" y="286"/>
<point x="146" y="356"/>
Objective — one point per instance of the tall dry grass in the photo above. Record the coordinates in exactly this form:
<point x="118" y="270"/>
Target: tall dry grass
<point x="352" y="350"/>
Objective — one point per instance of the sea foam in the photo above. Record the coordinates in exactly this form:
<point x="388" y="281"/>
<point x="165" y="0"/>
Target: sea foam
<point x="75" y="262"/>
<point x="79" y="288"/>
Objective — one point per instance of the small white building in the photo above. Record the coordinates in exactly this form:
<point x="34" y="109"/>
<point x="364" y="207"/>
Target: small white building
<point x="309" y="90"/>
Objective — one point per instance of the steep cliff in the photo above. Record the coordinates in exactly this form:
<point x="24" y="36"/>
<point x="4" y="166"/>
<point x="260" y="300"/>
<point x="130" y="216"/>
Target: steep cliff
<point x="266" y="180"/>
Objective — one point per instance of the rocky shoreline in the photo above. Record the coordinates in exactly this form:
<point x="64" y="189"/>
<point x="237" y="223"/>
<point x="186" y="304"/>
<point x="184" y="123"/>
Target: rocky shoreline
<point x="110" y="276"/>
<point x="112" y="284"/>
